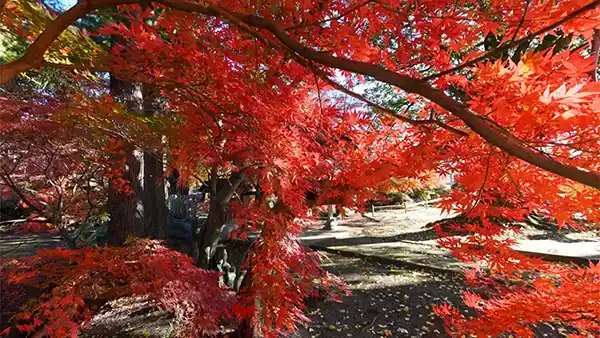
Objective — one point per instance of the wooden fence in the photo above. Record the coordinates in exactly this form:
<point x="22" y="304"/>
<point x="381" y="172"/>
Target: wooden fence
<point x="405" y="206"/>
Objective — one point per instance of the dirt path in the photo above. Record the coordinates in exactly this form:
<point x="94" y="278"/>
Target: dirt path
<point x="13" y="246"/>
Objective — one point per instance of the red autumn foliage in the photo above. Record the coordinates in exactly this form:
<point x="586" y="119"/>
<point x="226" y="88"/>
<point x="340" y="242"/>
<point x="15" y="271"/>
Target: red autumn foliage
<point x="245" y="82"/>
<point x="566" y="297"/>
<point x="283" y="274"/>
<point x="76" y="283"/>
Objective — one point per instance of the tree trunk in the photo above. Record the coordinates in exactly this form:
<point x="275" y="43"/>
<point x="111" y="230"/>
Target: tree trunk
<point x="126" y="209"/>
<point x="155" y="205"/>
<point x="154" y="199"/>
<point x="217" y="216"/>
<point x="247" y="329"/>
<point x="330" y="218"/>
<point x="215" y="222"/>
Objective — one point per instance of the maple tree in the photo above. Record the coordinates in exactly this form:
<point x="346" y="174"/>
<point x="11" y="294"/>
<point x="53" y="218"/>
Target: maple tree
<point x="75" y="284"/>
<point x="45" y="165"/>
<point x="246" y="82"/>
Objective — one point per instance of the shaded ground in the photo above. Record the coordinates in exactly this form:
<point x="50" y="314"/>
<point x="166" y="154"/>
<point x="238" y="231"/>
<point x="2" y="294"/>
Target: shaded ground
<point x="395" y="235"/>
<point x="386" y="300"/>
<point x="399" y="300"/>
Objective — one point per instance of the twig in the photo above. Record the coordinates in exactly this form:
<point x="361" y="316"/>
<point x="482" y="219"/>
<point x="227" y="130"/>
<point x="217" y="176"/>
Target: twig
<point x="370" y="325"/>
<point x="318" y="87"/>
<point x="487" y="169"/>
<point x="388" y="111"/>
<point x="22" y="220"/>
<point x="4" y="253"/>
<point x="516" y="43"/>
<point x="521" y="22"/>
<point x="350" y="10"/>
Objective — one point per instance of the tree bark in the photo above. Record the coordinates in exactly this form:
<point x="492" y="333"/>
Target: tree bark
<point x="247" y="329"/>
<point x="155" y="205"/>
<point x="126" y="209"/>
<point x="217" y="216"/>
<point x="154" y="199"/>
<point x="174" y="187"/>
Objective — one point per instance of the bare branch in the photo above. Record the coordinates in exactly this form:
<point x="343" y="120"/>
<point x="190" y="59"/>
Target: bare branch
<point x="521" y="22"/>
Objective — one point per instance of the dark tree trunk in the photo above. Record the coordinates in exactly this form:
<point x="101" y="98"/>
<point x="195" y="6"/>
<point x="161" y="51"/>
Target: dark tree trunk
<point x="142" y="213"/>
<point x="154" y="200"/>
<point x="126" y="209"/>
<point x="155" y="205"/>
<point x="209" y="238"/>
<point x="217" y="215"/>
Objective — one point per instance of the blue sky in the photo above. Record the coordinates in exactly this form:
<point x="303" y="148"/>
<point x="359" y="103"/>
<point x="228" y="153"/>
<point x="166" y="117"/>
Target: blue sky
<point x="67" y="3"/>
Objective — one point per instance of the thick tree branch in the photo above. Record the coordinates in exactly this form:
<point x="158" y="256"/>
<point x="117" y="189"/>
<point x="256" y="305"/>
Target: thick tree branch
<point x="489" y="132"/>
<point x="325" y="77"/>
<point x="62" y="66"/>
<point x="34" y="56"/>
<point x="9" y="182"/>
<point x="388" y="111"/>
<point x="2" y="4"/>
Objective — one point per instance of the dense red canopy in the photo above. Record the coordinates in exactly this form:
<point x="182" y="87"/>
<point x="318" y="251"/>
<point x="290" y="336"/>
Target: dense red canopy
<point x="247" y="86"/>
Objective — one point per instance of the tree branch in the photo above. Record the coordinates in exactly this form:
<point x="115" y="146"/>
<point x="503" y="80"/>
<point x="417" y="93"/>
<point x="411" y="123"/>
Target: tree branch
<point x="389" y="111"/>
<point x="2" y="4"/>
<point x="337" y="17"/>
<point x="516" y="43"/>
<point x="34" y="55"/>
<point x="521" y="22"/>
<point x="62" y="66"/>
<point x="9" y="182"/>
<point x="489" y="132"/>
<point x="596" y="53"/>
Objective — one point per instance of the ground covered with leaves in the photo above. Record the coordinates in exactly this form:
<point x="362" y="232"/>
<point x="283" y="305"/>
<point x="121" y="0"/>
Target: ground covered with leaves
<point x="385" y="301"/>
<point x="388" y="301"/>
